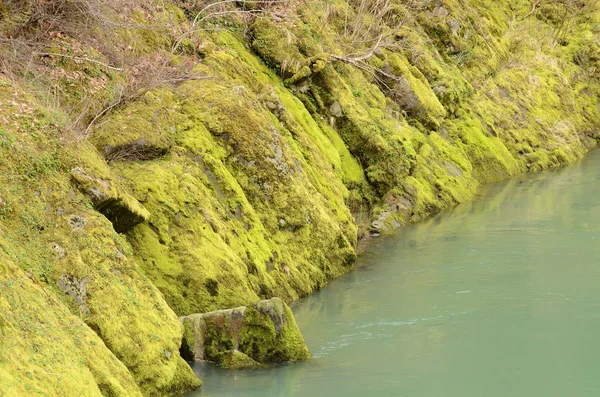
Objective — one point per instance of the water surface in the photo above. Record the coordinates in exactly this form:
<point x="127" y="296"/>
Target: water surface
<point x="498" y="297"/>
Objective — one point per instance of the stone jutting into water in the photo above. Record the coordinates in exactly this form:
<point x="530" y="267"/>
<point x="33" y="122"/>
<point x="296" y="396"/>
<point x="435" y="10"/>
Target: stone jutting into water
<point x="244" y="337"/>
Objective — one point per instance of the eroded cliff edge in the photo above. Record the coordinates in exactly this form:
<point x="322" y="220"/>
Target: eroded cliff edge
<point x="161" y="159"/>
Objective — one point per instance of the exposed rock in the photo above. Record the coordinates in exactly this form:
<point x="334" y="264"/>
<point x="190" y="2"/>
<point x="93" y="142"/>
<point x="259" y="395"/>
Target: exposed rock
<point x="278" y="159"/>
<point x="453" y="169"/>
<point x="336" y="109"/>
<point x="395" y="211"/>
<point x="245" y="336"/>
<point x="76" y="289"/>
<point x="384" y="223"/>
<point x="122" y="209"/>
<point x="454" y="25"/>
<point x="440" y="12"/>
<point x="404" y="94"/>
<point x="77" y="222"/>
<point x="273" y="103"/>
<point x="60" y="251"/>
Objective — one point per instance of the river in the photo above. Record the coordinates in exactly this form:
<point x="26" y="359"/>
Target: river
<point x="498" y="297"/>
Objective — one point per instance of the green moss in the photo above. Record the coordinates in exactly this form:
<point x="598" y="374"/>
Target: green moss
<point x="234" y="359"/>
<point x="270" y="334"/>
<point x="245" y="186"/>
<point x="153" y="127"/>
<point x="277" y="45"/>
<point x="263" y="332"/>
<point x="76" y="361"/>
<point x="411" y="90"/>
<point x="81" y="265"/>
<point x="351" y="172"/>
<point x="490" y="159"/>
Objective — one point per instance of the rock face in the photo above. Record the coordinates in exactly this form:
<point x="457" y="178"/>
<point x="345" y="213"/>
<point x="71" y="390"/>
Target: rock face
<point x="247" y="164"/>
<point x="244" y="337"/>
<point x="77" y="316"/>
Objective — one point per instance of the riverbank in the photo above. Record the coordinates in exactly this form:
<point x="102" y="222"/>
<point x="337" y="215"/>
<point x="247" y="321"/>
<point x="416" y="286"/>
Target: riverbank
<point x="165" y="159"/>
<point x="478" y="300"/>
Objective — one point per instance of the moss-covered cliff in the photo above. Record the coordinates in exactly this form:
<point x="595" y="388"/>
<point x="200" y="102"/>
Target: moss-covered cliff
<point x="161" y="159"/>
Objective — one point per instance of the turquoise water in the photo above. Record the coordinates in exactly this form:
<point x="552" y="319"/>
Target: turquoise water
<point x="498" y="297"/>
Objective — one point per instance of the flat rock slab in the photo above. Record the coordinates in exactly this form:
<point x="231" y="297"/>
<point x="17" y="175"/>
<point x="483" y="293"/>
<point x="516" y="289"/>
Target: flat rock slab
<point x="244" y="337"/>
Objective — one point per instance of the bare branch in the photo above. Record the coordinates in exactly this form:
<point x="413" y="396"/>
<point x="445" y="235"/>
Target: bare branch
<point x="199" y="19"/>
<point x="536" y="3"/>
<point x="79" y="59"/>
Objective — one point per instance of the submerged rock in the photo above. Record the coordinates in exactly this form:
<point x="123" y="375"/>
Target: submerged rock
<point x="244" y="337"/>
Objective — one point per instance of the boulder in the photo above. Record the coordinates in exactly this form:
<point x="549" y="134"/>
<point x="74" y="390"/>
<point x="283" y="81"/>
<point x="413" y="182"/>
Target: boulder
<point x="244" y="337"/>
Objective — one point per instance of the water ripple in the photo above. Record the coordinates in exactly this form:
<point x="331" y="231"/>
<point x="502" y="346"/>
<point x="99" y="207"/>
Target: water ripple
<point x="347" y="340"/>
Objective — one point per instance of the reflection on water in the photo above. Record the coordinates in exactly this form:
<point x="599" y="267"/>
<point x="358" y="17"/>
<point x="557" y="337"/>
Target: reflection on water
<point x="499" y="297"/>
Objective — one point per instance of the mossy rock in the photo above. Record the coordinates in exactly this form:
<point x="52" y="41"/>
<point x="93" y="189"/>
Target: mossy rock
<point x="278" y="47"/>
<point x="115" y="333"/>
<point x="406" y="85"/>
<point x="110" y="199"/>
<point x="76" y="362"/>
<point x="146" y="137"/>
<point x="270" y="333"/>
<point x="235" y="359"/>
<point x="265" y="332"/>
